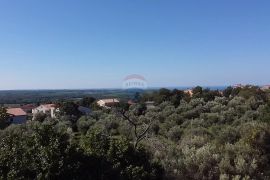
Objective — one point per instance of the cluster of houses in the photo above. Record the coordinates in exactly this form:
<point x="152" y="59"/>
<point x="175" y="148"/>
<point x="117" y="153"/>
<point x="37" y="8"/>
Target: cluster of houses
<point x="18" y="115"/>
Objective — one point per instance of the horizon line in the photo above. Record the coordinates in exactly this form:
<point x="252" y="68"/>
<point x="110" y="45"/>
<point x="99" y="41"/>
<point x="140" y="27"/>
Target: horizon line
<point x="119" y="88"/>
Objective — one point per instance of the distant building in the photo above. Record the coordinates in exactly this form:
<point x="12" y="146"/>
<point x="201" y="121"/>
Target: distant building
<point x="84" y="110"/>
<point x="265" y="87"/>
<point x="48" y="109"/>
<point x="150" y="104"/>
<point x="238" y="86"/>
<point x="107" y="103"/>
<point x="17" y="115"/>
<point x="189" y="91"/>
<point x="131" y="102"/>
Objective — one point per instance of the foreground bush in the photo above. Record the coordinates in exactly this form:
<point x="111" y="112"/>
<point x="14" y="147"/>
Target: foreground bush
<point x="42" y="151"/>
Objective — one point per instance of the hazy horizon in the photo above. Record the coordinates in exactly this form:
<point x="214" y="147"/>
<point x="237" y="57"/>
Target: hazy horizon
<point x="96" y="44"/>
<point x="119" y="88"/>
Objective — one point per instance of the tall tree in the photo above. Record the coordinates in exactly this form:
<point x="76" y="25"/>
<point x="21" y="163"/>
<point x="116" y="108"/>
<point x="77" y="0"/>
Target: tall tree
<point x="70" y="108"/>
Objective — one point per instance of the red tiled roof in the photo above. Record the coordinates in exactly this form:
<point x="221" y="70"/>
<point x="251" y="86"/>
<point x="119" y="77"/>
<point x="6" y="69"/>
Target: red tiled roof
<point x="16" y="112"/>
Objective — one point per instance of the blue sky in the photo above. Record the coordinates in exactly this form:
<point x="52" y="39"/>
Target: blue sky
<point x="56" y="44"/>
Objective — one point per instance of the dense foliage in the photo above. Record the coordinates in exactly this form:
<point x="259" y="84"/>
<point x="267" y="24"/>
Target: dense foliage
<point x="209" y="135"/>
<point x="47" y="151"/>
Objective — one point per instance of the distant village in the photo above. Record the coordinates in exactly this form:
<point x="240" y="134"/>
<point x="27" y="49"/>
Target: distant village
<point x="19" y="114"/>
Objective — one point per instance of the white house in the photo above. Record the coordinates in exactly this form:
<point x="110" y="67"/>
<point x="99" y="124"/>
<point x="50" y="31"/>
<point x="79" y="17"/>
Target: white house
<point x="17" y="115"/>
<point x="48" y="109"/>
<point x="108" y="102"/>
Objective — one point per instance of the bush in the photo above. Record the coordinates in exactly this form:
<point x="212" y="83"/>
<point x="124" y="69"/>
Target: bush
<point x="128" y="163"/>
<point x="36" y="151"/>
<point x="175" y="133"/>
